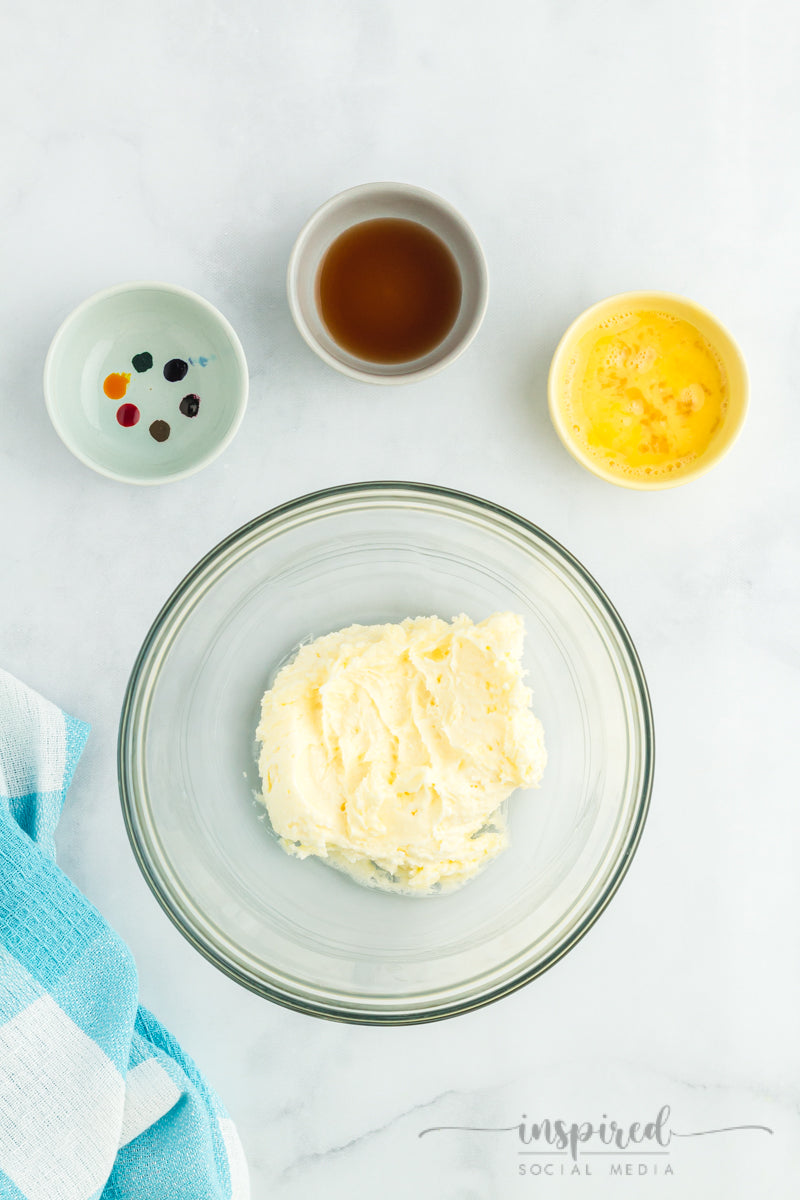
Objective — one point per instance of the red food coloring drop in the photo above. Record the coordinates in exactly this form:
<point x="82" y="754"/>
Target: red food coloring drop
<point x="127" y="415"/>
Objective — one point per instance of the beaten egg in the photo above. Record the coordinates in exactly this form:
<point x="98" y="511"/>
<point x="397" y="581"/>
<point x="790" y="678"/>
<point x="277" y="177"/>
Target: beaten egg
<point x="644" y="394"/>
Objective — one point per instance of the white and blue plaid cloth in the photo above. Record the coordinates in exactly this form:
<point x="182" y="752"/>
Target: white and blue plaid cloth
<point x="96" y="1098"/>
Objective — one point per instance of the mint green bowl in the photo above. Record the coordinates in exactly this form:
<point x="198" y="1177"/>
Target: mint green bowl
<point x="187" y="387"/>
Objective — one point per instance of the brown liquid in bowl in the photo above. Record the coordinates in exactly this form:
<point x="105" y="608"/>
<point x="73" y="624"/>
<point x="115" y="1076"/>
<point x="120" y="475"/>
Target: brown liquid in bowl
<point x="388" y="290"/>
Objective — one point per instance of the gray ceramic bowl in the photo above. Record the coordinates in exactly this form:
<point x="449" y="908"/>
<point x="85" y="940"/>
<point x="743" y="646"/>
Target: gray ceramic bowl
<point x="368" y="202"/>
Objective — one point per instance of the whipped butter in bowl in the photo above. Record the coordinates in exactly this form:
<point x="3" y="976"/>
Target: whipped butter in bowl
<point x="393" y="714"/>
<point x="388" y="750"/>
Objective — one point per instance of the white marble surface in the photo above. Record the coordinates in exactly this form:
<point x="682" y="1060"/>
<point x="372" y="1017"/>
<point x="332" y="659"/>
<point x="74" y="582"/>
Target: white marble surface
<point x="595" y="148"/>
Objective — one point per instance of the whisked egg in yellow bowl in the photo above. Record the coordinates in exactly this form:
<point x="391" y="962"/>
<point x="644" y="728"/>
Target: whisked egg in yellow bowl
<point x="647" y="390"/>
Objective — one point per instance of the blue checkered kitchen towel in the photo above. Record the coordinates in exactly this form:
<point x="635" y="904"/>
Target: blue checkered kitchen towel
<point x="96" y="1098"/>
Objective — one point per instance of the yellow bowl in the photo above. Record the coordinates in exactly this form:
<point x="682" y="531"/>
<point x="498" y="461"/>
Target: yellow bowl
<point x="715" y="333"/>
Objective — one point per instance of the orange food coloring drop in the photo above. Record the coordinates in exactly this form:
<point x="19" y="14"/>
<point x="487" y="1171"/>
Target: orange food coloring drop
<point x="115" y="385"/>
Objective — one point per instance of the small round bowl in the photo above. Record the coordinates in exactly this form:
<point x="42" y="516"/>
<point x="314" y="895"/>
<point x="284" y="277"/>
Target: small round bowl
<point x="145" y="382"/>
<point x="365" y="203"/>
<point x="716" y="334"/>
<point x="300" y="932"/>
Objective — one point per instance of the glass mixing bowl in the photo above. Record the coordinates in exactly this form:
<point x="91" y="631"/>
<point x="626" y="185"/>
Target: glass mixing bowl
<point x="300" y="932"/>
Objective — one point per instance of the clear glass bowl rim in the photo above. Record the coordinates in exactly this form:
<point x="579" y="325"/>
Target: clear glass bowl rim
<point x="386" y="489"/>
